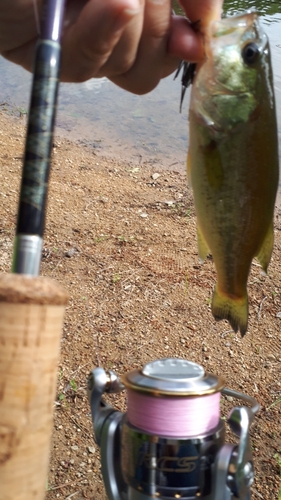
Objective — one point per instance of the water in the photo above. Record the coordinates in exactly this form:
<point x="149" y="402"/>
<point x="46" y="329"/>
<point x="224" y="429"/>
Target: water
<point x="139" y="128"/>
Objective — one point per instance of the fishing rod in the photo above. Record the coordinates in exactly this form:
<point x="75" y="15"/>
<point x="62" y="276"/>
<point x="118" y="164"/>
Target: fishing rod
<point x="31" y="307"/>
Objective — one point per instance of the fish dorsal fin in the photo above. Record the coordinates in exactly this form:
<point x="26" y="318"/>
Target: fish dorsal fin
<point x="203" y="248"/>
<point x="265" y="251"/>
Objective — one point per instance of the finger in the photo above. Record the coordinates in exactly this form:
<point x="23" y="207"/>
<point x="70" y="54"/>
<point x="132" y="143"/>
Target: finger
<point x="124" y="53"/>
<point x="148" y="67"/>
<point x="92" y="29"/>
<point x="17" y="24"/>
<point x="202" y="10"/>
<point x="88" y="43"/>
<point x="23" y="55"/>
<point x="19" y="32"/>
<point x="184" y="42"/>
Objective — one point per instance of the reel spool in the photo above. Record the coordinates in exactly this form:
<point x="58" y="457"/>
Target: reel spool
<point x="171" y="442"/>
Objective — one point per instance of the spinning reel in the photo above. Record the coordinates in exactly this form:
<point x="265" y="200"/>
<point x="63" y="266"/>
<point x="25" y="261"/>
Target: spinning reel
<point x="171" y="442"/>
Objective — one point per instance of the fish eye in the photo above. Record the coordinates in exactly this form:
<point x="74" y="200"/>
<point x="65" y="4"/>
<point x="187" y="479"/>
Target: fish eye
<point x="250" y="53"/>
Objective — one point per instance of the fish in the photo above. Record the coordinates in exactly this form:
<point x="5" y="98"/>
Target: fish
<point x="232" y="162"/>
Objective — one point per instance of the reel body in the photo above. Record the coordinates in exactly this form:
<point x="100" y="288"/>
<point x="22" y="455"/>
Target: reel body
<point x="171" y="442"/>
<point x="155" y="466"/>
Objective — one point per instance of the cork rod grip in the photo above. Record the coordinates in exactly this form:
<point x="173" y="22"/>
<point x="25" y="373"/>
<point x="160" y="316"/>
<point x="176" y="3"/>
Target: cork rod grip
<point x="31" y="317"/>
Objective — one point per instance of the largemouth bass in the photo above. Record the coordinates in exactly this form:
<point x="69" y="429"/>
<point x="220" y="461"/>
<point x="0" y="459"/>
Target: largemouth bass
<point x="233" y="158"/>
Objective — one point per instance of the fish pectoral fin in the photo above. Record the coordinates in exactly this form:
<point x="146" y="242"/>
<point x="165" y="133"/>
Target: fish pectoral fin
<point x="188" y="167"/>
<point x="203" y="248"/>
<point x="235" y="310"/>
<point x="265" y="251"/>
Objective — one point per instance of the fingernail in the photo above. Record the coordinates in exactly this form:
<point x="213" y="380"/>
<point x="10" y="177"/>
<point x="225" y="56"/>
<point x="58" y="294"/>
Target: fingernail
<point x="133" y="7"/>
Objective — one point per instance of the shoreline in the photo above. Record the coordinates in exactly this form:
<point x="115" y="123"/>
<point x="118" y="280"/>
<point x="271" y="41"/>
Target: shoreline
<point x="132" y="159"/>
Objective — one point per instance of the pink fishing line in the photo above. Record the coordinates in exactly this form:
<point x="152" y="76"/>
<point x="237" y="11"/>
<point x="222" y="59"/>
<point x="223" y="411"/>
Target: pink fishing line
<point x="174" y="417"/>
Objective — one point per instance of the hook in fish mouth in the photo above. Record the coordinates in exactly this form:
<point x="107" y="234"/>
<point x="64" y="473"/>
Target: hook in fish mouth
<point x="189" y="69"/>
<point x="188" y="74"/>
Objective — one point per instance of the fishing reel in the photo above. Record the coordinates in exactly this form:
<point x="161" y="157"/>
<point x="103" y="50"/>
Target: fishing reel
<point x="171" y="442"/>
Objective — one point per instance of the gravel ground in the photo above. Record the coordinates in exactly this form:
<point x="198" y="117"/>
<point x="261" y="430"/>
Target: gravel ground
<point x="121" y="238"/>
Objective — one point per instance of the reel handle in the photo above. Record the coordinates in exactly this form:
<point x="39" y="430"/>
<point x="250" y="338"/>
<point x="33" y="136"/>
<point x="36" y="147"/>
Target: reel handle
<point x="100" y="382"/>
<point x="107" y="423"/>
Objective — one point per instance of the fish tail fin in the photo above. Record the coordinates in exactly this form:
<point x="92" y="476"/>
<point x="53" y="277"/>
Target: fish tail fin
<point x="265" y="251"/>
<point x="235" y="310"/>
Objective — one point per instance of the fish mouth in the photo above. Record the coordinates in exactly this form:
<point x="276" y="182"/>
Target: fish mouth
<point x="231" y="93"/>
<point x="226" y="92"/>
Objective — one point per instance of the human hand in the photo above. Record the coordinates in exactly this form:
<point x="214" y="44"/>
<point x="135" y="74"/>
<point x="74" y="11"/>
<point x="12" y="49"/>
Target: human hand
<point x="134" y="43"/>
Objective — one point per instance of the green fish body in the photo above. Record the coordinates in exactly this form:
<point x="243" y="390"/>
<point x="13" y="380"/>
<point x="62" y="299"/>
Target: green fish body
<point x="233" y="158"/>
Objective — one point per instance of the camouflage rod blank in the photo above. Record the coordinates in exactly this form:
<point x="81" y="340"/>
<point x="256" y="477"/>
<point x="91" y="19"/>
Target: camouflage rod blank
<point x="36" y="167"/>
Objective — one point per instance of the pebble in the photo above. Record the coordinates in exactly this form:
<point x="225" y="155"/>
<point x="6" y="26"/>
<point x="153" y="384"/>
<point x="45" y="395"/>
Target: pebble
<point x="155" y="176"/>
<point x="74" y="447"/>
<point x="143" y="215"/>
<point x="70" y="253"/>
<point x="91" y="449"/>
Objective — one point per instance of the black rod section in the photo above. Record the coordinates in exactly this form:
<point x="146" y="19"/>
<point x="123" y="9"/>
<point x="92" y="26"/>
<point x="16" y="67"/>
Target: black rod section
<point x="37" y="157"/>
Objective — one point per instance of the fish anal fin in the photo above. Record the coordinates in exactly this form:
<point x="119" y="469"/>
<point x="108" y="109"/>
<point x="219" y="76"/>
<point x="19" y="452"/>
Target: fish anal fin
<point x="265" y="251"/>
<point x="203" y="248"/>
<point x="235" y="310"/>
<point x="188" y="165"/>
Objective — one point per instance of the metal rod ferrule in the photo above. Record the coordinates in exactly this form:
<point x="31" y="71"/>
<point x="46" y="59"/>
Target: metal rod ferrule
<point x="27" y="254"/>
<point x="52" y="20"/>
